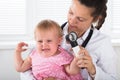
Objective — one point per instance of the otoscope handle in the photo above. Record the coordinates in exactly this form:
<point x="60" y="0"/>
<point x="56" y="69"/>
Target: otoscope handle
<point x="76" y="49"/>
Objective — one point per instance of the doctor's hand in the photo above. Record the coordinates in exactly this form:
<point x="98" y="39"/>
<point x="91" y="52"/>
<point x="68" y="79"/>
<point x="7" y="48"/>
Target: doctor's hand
<point x="85" y="61"/>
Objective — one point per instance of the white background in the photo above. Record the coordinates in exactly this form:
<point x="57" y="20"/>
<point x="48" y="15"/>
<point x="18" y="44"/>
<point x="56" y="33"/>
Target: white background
<point x="33" y="12"/>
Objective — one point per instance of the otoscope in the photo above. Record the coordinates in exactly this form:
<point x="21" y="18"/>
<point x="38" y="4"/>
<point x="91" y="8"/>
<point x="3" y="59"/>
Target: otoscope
<point x="72" y="38"/>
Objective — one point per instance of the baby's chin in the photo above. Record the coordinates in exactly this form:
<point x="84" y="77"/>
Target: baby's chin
<point x="45" y="55"/>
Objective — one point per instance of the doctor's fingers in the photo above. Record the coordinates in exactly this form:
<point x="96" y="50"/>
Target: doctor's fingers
<point x="84" y="55"/>
<point x="85" y="59"/>
<point x="84" y="63"/>
<point x="83" y="51"/>
<point x="89" y="66"/>
<point x="80" y="63"/>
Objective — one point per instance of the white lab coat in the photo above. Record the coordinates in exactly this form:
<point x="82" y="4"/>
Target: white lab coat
<point x="102" y="53"/>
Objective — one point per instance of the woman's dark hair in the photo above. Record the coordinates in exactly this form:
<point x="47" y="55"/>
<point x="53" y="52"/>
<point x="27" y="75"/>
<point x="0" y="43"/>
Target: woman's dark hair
<point x="99" y="9"/>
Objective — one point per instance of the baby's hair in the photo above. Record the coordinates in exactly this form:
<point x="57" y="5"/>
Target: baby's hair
<point x="47" y="25"/>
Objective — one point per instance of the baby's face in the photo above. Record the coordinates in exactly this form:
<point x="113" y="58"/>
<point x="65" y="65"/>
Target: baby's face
<point x="47" y="43"/>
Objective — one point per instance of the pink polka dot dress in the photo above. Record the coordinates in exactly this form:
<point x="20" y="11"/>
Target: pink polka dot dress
<point x="52" y="66"/>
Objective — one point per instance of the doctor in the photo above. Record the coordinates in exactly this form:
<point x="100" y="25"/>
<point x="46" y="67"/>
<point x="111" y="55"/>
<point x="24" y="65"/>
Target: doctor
<point x="99" y="60"/>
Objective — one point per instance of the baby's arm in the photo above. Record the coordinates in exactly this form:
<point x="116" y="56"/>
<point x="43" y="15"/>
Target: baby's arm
<point x="72" y="68"/>
<point x="20" y="64"/>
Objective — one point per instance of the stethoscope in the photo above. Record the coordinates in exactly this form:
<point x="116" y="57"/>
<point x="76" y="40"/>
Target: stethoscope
<point x="72" y="38"/>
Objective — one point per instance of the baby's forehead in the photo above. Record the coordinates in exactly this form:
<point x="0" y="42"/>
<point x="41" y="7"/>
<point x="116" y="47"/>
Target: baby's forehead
<point x="47" y="35"/>
<point x="51" y="30"/>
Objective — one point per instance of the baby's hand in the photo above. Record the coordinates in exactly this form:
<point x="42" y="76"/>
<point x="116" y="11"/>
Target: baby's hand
<point x="49" y="78"/>
<point x="21" y="47"/>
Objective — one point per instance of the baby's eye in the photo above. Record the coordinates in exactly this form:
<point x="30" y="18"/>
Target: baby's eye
<point x="49" y="40"/>
<point x="70" y="13"/>
<point x="40" y="41"/>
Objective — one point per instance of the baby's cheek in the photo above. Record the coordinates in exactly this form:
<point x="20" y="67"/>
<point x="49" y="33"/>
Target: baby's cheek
<point x="39" y="50"/>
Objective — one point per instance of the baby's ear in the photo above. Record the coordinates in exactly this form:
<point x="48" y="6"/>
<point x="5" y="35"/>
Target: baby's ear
<point x="60" y="40"/>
